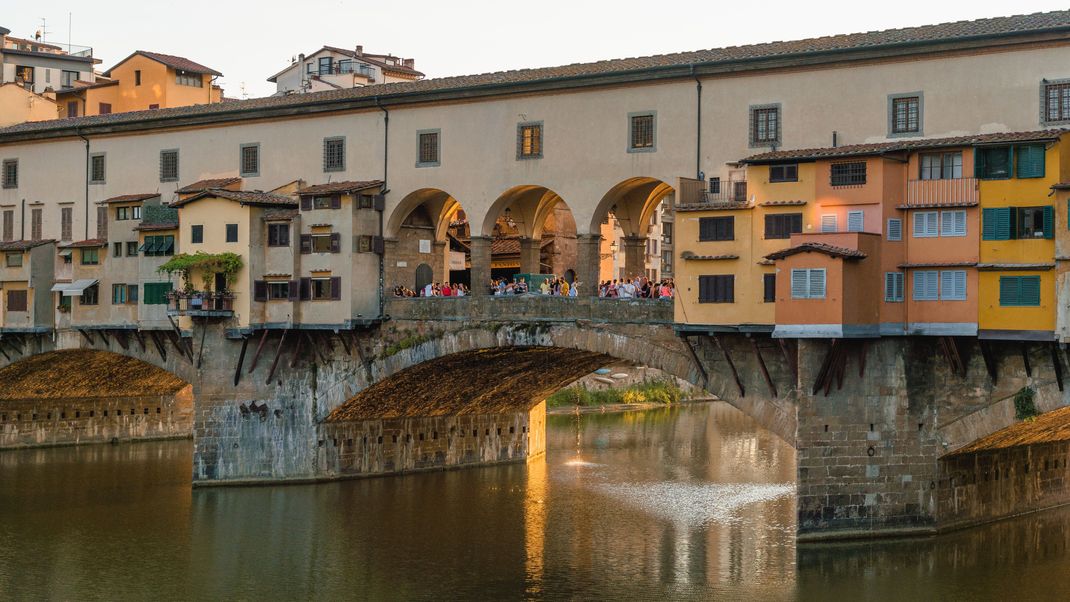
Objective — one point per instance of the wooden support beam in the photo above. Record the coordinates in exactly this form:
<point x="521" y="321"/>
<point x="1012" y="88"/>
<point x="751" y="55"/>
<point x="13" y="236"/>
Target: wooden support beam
<point x="1025" y="359"/>
<point x="731" y="364"/>
<point x="155" y="336"/>
<point x="200" y="351"/>
<point x="317" y="346"/>
<point x="990" y="360"/>
<point x="7" y="341"/>
<point x="121" y="337"/>
<point x="259" y="348"/>
<point x="862" y="358"/>
<point x="4" y="353"/>
<point x="241" y="360"/>
<point x="278" y="354"/>
<point x="761" y="364"/>
<point x="345" y="344"/>
<point x="824" y="372"/>
<point x="364" y="362"/>
<point x="176" y="340"/>
<point x="791" y="357"/>
<point x="297" y="349"/>
<point x="841" y="367"/>
<point x="89" y="338"/>
<point x="140" y="339"/>
<point x="1056" y="363"/>
<point x="695" y="360"/>
<point x="104" y="336"/>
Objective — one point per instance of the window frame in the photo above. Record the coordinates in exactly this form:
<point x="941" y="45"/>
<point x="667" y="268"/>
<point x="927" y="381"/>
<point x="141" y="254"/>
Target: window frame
<point x="228" y="229"/>
<point x="537" y="140"/>
<point x="848" y="177"/>
<point x="276" y="285"/>
<point x="953" y="274"/>
<point x="1018" y="302"/>
<point x="784" y="177"/>
<point x="90" y="296"/>
<point x="312" y="289"/>
<point x="632" y="132"/>
<point x="196" y="234"/>
<point x="187" y="78"/>
<point x="242" y="171"/>
<point x="715" y="231"/>
<point x="888" y="232"/>
<point x="895" y="293"/>
<point x="1064" y="101"/>
<point x="313" y="238"/>
<point x="330" y="167"/>
<point x="25" y="300"/>
<point x="93" y="157"/>
<point x="9" y="174"/>
<point x="420" y="162"/>
<point x="896" y="99"/>
<point x="89" y="256"/>
<point x="278" y="227"/>
<point x="8" y="259"/>
<point x="727" y="288"/>
<point x="781" y="220"/>
<point x="166" y="176"/>
<point x="754" y="113"/>
<point x="160" y="289"/>
<point x="924" y="275"/>
<point x="131" y="248"/>
<point x="769" y="285"/>
<point x="809" y="295"/>
<point x="943" y="166"/>
<point x="953" y="232"/>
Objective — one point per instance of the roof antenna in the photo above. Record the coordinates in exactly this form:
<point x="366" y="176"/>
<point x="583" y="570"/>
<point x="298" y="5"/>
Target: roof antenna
<point x="834" y="142"/>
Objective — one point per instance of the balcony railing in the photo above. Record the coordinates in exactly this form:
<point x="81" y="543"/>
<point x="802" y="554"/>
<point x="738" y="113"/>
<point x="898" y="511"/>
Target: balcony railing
<point x="731" y="191"/>
<point x="220" y="305"/>
<point x="342" y="68"/>
<point x="958" y="191"/>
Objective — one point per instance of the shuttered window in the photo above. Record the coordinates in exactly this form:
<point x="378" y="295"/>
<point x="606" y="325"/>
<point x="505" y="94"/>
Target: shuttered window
<point x="848" y="174"/>
<point x="716" y="228"/>
<point x="926" y="224"/>
<point x="855" y="221"/>
<point x="196" y="233"/>
<point x="893" y="287"/>
<point x="36" y="218"/>
<point x="952" y="223"/>
<point x="1030" y="161"/>
<point x="1019" y="291"/>
<point x="427" y="148"/>
<point x="992" y="163"/>
<point x="769" y="288"/>
<point x="926" y="286"/>
<point x="895" y="229"/>
<point x="997" y="223"/>
<point x="11" y="173"/>
<point x="953" y="285"/>
<point x="808" y="283"/>
<point x="169" y="165"/>
<point x="97" y="168"/>
<point x="716" y="289"/>
<point x="156" y="293"/>
<point x="828" y="223"/>
<point x="232" y="232"/>
<point x="66" y="219"/>
<point x="782" y="225"/>
<point x="16" y="300"/>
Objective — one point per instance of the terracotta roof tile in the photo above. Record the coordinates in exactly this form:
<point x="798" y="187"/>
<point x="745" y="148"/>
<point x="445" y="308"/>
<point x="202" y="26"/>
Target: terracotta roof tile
<point x="175" y="62"/>
<point x="818" y="247"/>
<point x="339" y="187"/>
<point x="279" y="214"/>
<point x="732" y="58"/>
<point x="202" y="185"/>
<point x="85" y="244"/>
<point x="245" y="197"/>
<point x="1025" y="267"/>
<point x="131" y="198"/>
<point x="1049" y="427"/>
<point x="23" y="245"/>
<point x="938" y="264"/>
<point x="796" y="203"/>
<point x="378" y="60"/>
<point x="157" y="227"/>
<point x="688" y="255"/>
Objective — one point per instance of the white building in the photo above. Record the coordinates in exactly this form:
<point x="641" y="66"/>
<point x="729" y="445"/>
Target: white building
<point x="331" y="68"/>
<point x="37" y="66"/>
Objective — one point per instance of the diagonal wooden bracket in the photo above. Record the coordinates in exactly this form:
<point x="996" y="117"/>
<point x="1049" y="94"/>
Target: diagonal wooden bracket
<point x="989" y="358"/>
<point x="761" y="364"/>
<point x="1056" y="363"/>
<point x="731" y="364"/>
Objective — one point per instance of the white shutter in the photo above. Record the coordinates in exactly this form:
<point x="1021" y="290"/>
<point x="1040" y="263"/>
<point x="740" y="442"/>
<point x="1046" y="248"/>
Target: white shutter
<point x="960" y="223"/>
<point x="947" y="224"/>
<point x="919" y="286"/>
<point x="828" y="223"/>
<point x="931" y="225"/>
<point x="895" y="229"/>
<point x="855" y="221"/>
<point x="932" y="286"/>
<point x="947" y="284"/>
<point x="925" y="224"/>
<point x="817" y="284"/>
<point x="899" y="286"/>
<point x="799" y="284"/>
<point x="889" y="286"/>
<point x="926" y="286"/>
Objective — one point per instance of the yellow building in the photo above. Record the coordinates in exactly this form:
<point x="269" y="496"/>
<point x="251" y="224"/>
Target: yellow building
<point x="143" y="81"/>
<point x="17" y="105"/>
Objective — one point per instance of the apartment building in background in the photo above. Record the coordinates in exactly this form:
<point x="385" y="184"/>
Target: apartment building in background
<point x="332" y="68"/>
<point x="38" y="66"/>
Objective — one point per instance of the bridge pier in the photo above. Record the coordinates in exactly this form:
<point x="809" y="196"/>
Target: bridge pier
<point x="480" y="279"/>
<point x="588" y="259"/>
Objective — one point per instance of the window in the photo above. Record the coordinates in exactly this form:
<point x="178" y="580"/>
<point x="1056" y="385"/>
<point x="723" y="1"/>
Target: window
<point x="1019" y="291"/>
<point x="169" y="165"/>
<point x="926" y="285"/>
<point x="717" y="289"/>
<point x="334" y="154"/>
<point x="188" y="78"/>
<point x="278" y="291"/>
<point x="1033" y="222"/>
<point x="529" y="140"/>
<point x="325" y="65"/>
<point x="13" y="260"/>
<point x="131" y="294"/>
<point x="278" y="235"/>
<point x="67" y="79"/>
<point x="118" y="294"/>
<point x="895" y="229"/>
<point x="66" y="226"/>
<point x="782" y="225"/>
<point x="427" y="151"/>
<point x="322" y="243"/>
<point x="232" y="232"/>
<point x="992" y="163"/>
<point x="90" y="256"/>
<point x="327" y="202"/>
<point x="321" y="289"/>
<point x="808" y="283"/>
<point x="715" y="185"/>
<point x="11" y="173"/>
<point x="953" y="223"/>
<point x="953" y="285"/>
<point x="1055" y="102"/>
<point x="131" y="248"/>
<point x="848" y="174"/>
<point x="904" y="114"/>
<point x="159" y="246"/>
<point x="72" y="108"/>
<point x="855" y="221"/>
<point x="1030" y="161"/>
<point x="117" y="249"/>
<point x="666" y="261"/>
<point x="96" y="168"/>
<point x="893" y="287"/>
<point x="249" y="159"/>
<point x="941" y="166"/>
<point x="35" y="223"/>
<point x="9" y="225"/>
<point x="17" y="300"/>
<point x="1008" y="223"/>
<point x="105" y="108"/>
<point x="765" y="125"/>
<point x="666" y="233"/>
<point x="91" y="295"/>
<point x="127" y="213"/>
<point x="829" y="223"/>
<point x="925" y="224"/>
<point x="153" y="107"/>
<point x="196" y="234"/>
<point x="156" y="293"/>
<point x="716" y="228"/>
<point x="769" y="288"/>
<point x="642" y="132"/>
<point x="137" y="77"/>
<point x="784" y="173"/>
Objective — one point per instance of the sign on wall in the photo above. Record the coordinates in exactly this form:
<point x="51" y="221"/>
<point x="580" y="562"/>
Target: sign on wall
<point x="425" y="246"/>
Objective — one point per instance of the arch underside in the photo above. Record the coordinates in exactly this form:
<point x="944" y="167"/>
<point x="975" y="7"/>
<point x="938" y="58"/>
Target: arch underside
<point x="84" y="373"/>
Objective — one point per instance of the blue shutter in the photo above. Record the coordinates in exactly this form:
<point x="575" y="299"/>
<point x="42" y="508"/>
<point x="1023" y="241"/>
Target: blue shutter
<point x="988" y="223"/>
<point x="1049" y="222"/>
<point x="1029" y="290"/>
<point x="980" y="162"/>
<point x="1004" y="223"/>
<point x="1031" y="161"/>
<point x="1008" y="291"/>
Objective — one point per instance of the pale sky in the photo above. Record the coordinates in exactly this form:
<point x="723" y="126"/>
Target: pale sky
<point x="250" y="41"/>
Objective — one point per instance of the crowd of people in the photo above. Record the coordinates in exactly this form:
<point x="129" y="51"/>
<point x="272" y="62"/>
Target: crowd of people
<point x="639" y="287"/>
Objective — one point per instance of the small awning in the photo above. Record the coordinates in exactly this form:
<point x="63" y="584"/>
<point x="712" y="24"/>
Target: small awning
<point x="76" y="288"/>
<point x="65" y="252"/>
<point x="59" y="287"/>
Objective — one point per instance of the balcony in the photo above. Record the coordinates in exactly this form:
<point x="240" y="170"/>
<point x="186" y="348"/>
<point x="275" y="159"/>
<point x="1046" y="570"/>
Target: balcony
<point x="957" y="192"/>
<point x="732" y="191"/>
<point x="200" y="304"/>
<point x="694" y="194"/>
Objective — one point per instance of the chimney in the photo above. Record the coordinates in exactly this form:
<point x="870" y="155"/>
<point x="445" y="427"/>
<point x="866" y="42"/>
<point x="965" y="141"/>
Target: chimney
<point x="301" y="58"/>
<point x="410" y="63"/>
<point x="360" y="50"/>
<point x="49" y="93"/>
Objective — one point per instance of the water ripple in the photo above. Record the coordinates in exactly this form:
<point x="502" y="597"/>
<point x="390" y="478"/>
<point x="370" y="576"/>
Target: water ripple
<point x="695" y="504"/>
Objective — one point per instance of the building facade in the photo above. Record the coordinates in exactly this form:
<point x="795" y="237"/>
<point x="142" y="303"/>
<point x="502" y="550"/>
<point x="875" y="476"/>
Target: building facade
<point x="332" y="68"/>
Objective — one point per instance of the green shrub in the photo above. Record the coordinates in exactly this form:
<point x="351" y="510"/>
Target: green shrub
<point x="1024" y="405"/>
<point x="662" y="391"/>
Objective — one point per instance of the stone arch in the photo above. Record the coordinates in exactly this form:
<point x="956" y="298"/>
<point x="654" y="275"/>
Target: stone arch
<point x="418" y="231"/>
<point x="632" y="202"/>
<point x="439" y="204"/>
<point x="535" y="223"/>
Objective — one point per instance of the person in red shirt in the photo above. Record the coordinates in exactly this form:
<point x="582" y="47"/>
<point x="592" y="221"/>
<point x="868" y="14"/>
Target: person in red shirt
<point x="446" y="290"/>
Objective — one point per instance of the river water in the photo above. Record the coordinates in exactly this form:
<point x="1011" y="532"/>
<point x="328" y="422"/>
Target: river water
<point x="681" y="503"/>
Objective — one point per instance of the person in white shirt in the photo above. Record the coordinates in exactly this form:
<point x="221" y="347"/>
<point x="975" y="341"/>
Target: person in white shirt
<point x="429" y="290"/>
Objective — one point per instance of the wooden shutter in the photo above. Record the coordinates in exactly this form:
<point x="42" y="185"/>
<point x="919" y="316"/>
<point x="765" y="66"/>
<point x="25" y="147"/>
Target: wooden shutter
<point x="379" y="202"/>
<point x="16" y="300"/>
<point x="295" y="289"/>
<point x="980" y="163"/>
<point x="988" y="224"/>
<point x="1008" y="290"/>
<point x="336" y="288"/>
<point x="1005" y="223"/>
<point x="102" y="222"/>
<point x="799" y="284"/>
<point x="260" y="290"/>
<point x="336" y="202"/>
<point x="273" y="235"/>
<point x="1030" y="161"/>
<point x="889" y="286"/>
<point x="1049" y="221"/>
<point x="795" y="224"/>
<point x="828" y="223"/>
<point x="1029" y="290"/>
<point x="284" y="235"/>
<point x="306" y="244"/>
<point x="895" y="229"/>
<point x="378" y="245"/>
<point x="769" y="284"/>
<point x="306" y="289"/>
<point x="817" y="284"/>
<point x="855" y="221"/>
<point x="306" y="203"/>
<point x="336" y="242"/>
<point x="771" y="222"/>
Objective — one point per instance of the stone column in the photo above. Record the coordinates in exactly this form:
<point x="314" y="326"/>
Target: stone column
<point x="634" y="248"/>
<point x="529" y="255"/>
<point x="480" y="265"/>
<point x="588" y="249"/>
<point x="440" y="261"/>
<point x="391" y="275"/>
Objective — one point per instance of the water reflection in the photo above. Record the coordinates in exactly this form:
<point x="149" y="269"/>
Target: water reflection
<point x="691" y="502"/>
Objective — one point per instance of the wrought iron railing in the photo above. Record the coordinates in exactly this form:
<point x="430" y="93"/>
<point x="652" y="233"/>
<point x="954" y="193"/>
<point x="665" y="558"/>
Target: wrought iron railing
<point x="192" y="303"/>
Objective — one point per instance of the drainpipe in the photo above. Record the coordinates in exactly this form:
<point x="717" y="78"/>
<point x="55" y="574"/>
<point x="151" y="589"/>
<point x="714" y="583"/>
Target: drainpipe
<point x="385" y="189"/>
<point x="86" y="140"/>
<point x="698" y="122"/>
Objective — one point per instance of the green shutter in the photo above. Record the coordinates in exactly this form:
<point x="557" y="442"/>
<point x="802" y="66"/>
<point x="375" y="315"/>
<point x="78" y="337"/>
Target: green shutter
<point x="1029" y="290"/>
<point x="1008" y="291"/>
<point x="988" y="223"/>
<point x="1004" y="223"/>
<point x="156" y="293"/>
<point x="1049" y="222"/>
<point x="1031" y="161"/>
<point x="980" y="161"/>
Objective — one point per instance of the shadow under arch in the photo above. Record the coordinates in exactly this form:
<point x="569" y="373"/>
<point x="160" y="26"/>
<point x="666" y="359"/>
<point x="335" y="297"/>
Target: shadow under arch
<point x="632" y="202"/>
<point x="440" y="207"/>
<point x="534" y="230"/>
<point x="84" y="373"/>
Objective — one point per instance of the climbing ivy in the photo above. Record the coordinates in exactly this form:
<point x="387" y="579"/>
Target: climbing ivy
<point x="209" y="264"/>
<point x="1024" y="406"/>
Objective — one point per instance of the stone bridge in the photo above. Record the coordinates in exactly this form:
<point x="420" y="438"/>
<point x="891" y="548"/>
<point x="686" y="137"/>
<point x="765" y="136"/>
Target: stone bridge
<point x="457" y="381"/>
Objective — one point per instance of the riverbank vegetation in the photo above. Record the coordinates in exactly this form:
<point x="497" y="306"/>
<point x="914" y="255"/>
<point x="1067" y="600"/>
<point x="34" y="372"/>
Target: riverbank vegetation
<point x="661" y="391"/>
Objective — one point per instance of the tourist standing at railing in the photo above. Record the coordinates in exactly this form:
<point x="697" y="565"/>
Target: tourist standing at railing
<point x="447" y="291"/>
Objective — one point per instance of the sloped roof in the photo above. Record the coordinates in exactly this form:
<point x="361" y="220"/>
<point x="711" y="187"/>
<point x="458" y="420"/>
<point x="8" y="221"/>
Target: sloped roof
<point x="339" y="187"/>
<point x="156" y="226"/>
<point x="175" y="62"/>
<point x="818" y="247"/>
<point x="202" y="185"/>
<point x="378" y="60"/>
<point x="245" y="197"/>
<point x="86" y="244"/>
<point x="1049" y="427"/>
<point x="131" y="198"/>
<point x="23" y="245"/>
<point x="828" y="49"/>
<point x="880" y="148"/>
